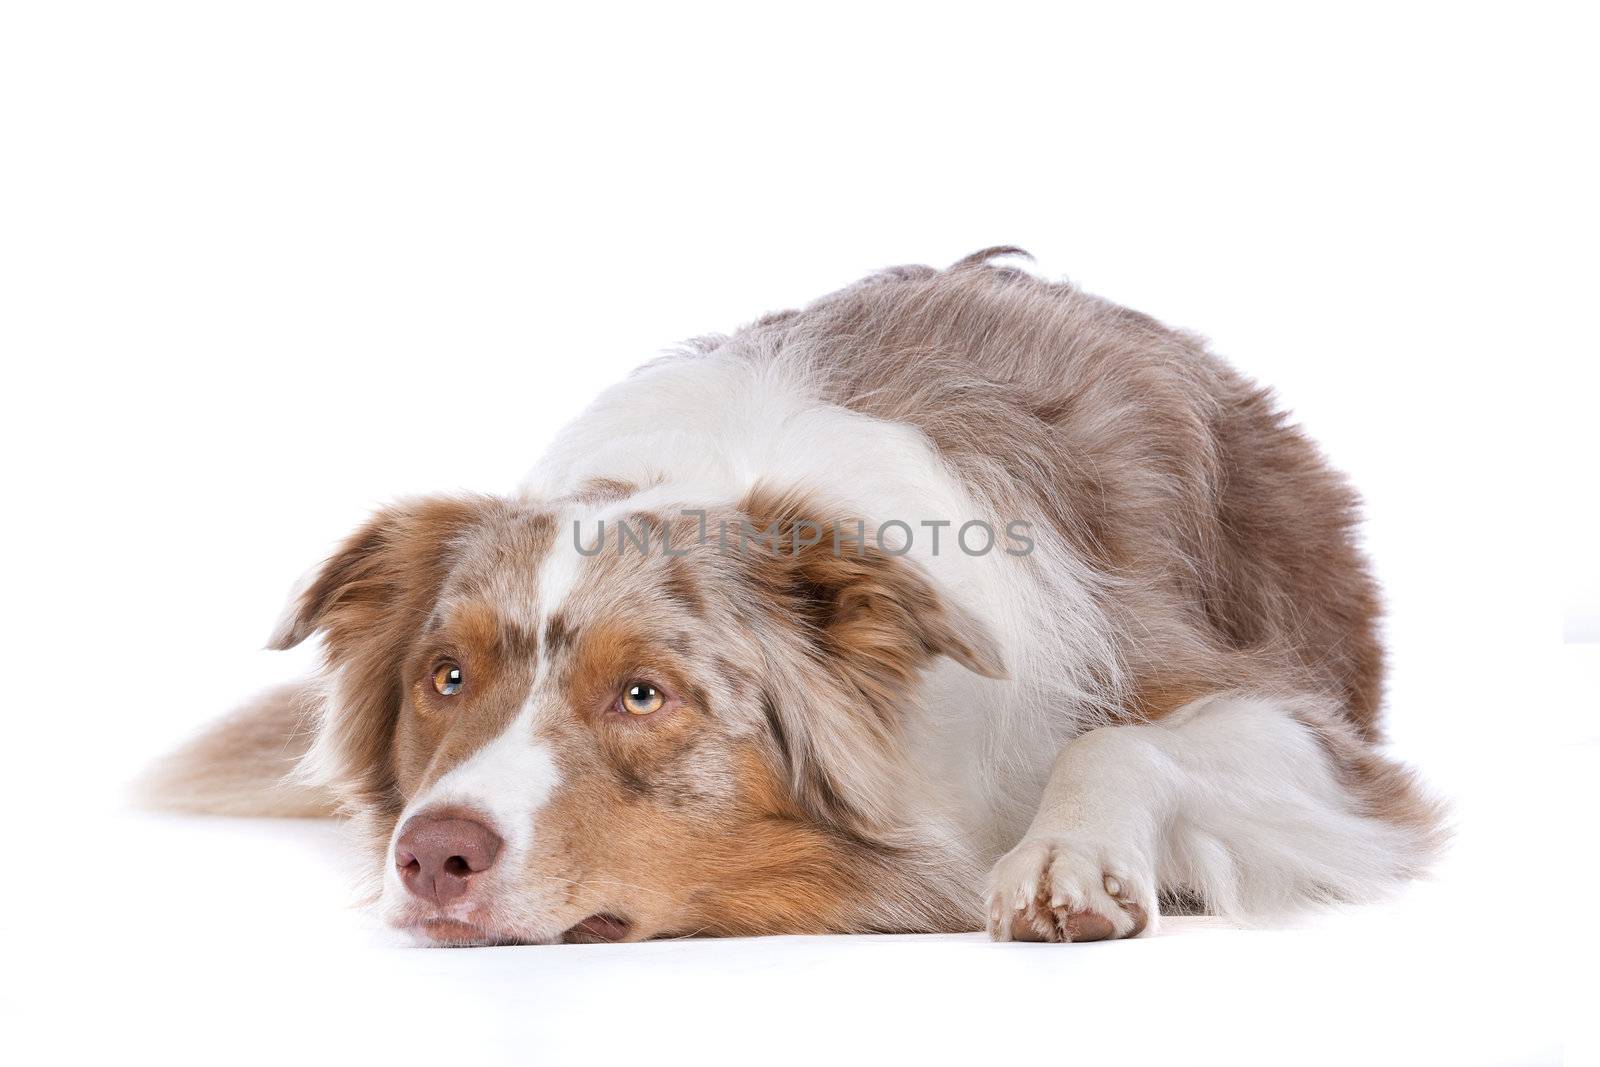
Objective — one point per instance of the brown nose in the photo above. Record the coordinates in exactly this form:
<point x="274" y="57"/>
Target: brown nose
<point x="438" y="855"/>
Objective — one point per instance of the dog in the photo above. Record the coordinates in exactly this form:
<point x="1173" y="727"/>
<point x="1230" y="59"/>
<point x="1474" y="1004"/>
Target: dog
<point x="958" y="600"/>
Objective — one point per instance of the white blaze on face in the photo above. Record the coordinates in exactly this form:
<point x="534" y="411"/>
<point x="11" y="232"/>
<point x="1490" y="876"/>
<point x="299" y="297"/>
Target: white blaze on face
<point x="508" y="781"/>
<point x="505" y="782"/>
<point x="558" y="572"/>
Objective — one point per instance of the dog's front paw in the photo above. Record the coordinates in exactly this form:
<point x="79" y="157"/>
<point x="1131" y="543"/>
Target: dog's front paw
<point x="1059" y="889"/>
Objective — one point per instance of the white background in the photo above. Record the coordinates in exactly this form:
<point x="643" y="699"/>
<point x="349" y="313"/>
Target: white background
<point x="266" y="266"/>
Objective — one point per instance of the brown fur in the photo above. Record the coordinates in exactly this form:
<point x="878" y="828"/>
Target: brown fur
<point x="370" y="600"/>
<point x="244" y="763"/>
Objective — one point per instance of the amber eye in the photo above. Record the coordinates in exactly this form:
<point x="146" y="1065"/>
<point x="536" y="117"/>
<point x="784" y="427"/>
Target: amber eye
<point x="641" y="698"/>
<point x="447" y="679"/>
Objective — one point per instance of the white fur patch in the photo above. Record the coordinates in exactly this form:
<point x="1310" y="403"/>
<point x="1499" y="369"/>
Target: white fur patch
<point x="558" y="574"/>
<point x="1231" y="797"/>
<point x="508" y="780"/>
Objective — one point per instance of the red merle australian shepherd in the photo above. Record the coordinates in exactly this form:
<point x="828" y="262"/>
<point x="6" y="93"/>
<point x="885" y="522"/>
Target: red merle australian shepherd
<point x="956" y="600"/>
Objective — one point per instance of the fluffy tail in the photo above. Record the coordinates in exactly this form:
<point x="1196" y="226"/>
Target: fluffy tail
<point x="243" y="765"/>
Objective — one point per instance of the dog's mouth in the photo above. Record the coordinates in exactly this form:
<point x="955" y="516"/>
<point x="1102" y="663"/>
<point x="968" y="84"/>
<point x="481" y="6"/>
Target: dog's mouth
<point x="600" y="928"/>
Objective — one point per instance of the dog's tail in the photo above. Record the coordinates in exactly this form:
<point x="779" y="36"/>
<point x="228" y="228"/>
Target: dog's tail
<point x="244" y="764"/>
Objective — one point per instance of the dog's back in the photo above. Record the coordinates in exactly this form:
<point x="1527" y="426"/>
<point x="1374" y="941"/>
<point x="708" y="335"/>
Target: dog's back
<point x="1223" y="536"/>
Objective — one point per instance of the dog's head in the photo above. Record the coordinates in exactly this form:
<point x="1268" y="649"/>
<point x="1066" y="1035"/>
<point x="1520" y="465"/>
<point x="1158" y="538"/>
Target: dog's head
<point x="561" y="733"/>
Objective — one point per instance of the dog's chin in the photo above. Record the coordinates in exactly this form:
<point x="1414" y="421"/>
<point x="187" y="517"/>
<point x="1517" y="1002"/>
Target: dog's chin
<point x="455" y="933"/>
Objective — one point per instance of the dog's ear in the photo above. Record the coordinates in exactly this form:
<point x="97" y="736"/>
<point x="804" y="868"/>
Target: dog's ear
<point x="872" y="621"/>
<point x="369" y="599"/>
<point x="382" y="573"/>
<point x="879" y="616"/>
